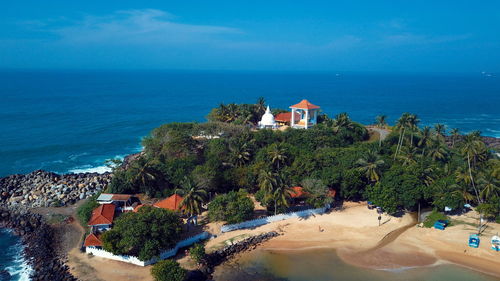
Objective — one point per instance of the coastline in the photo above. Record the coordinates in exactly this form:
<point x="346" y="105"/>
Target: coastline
<point x="39" y="247"/>
<point x="354" y="235"/>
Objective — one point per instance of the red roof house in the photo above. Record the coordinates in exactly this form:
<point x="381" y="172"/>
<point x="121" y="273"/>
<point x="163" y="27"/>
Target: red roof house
<point x="103" y="215"/>
<point x="171" y="203"/>
<point x="286" y="117"/>
<point x="92" y="241"/>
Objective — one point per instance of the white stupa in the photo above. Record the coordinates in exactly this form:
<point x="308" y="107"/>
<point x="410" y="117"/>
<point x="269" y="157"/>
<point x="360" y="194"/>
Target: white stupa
<point x="267" y="120"/>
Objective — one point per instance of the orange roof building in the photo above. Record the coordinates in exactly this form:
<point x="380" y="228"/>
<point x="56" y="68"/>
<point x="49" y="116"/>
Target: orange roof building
<point x="308" y="114"/>
<point x="171" y="203"/>
<point x="92" y="241"/>
<point x="103" y="215"/>
<point x="286" y="117"/>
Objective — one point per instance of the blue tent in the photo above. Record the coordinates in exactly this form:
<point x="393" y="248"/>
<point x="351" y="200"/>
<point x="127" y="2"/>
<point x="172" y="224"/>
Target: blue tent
<point x="474" y="241"/>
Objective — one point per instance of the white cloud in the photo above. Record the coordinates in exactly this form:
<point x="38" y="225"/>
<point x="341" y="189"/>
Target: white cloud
<point x="147" y="26"/>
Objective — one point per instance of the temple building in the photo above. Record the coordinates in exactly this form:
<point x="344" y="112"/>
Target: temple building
<point x="267" y="121"/>
<point x="308" y="114"/>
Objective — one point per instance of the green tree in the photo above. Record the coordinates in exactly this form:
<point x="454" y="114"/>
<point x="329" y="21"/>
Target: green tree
<point x="197" y="252"/>
<point x="143" y="234"/>
<point x="342" y="121"/>
<point x="232" y="207"/>
<point x="317" y="192"/>
<point x="168" y="270"/>
<point x="84" y="211"/>
<point x="455" y="133"/>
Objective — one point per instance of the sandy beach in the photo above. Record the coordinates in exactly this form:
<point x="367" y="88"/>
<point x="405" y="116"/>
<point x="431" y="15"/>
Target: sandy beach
<point x="397" y="243"/>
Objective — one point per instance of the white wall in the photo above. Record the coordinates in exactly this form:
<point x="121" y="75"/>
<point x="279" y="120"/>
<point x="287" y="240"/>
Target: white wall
<point x="164" y="255"/>
<point x="266" y="220"/>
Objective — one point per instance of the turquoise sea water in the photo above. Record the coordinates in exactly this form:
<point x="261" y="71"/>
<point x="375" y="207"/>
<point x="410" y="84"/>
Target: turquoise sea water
<point x="11" y="258"/>
<point x="325" y="265"/>
<point x="74" y="120"/>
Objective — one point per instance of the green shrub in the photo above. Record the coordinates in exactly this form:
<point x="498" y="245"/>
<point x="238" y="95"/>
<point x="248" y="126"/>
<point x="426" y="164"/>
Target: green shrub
<point x="434" y="217"/>
<point x="197" y="252"/>
<point x="168" y="270"/>
<point x="84" y="212"/>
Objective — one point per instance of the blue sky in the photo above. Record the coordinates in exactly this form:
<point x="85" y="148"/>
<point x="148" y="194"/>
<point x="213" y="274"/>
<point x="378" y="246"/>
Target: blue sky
<point x="410" y="36"/>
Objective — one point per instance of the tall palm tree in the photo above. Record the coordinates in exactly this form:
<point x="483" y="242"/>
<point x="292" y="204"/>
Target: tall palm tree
<point x="381" y="121"/>
<point x="261" y="105"/>
<point x="425" y="137"/>
<point x="342" y="121"/>
<point x="454" y="136"/>
<point x="490" y="186"/>
<point x="401" y="126"/>
<point x="412" y="123"/>
<point x="371" y="165"/>
<point x="269" y="182"/>
<point x="470" y="147"/>
<point x="281" y="195"/>
<point x="439" y="130"/>
<point x="278" y="156"/>
<point x="144" y="174"/>
<point x="194" y="195"/>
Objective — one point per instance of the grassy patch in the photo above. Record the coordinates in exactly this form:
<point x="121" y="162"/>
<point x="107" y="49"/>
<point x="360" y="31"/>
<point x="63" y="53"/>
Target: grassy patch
<point x="433" y="217"/>
<point x="56" y="218"/>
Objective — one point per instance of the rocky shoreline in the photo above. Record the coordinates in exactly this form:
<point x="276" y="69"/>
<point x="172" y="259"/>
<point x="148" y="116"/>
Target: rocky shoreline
<point x="46" y="189"/>
<point x="39" y="244"/>
<point x="220" y="256"/>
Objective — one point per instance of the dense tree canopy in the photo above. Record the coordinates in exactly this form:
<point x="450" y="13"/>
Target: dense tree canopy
<point x="411" y="166"/>
<point x="143" y="234"/>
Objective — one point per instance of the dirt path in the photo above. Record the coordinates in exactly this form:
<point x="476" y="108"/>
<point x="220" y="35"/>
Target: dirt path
<point x="393" y="235"/>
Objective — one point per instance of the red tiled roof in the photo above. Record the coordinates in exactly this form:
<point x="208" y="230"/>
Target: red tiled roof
<point x="171" y="203"/>
<point x="298" y="192"/>
<point x="104" y="214"/>
<point x="286" y="117"/>
<point x="304" y="104"/>
<point x="92" y="240"/>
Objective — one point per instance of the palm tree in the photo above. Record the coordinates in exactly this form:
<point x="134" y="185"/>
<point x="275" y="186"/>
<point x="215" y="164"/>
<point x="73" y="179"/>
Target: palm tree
<point x="281" y="195"/>
<point x="381" y="121"/>
<point x="342" y="121"/>
<point x="240" y="153"/>
<point x="489" y="185"/>
<point x="277" y="153"/>
<point x="425" y="137"/>
<point x="194" y="195"/>
<point x="270" y="182"/>
<point x="471" y="146"/>
<point x="144" y="173"/>
<point x="437" y="151"/>
<point x="454" y="135"/>
<point x="412" y="122"/>
<point x="409" y="155"/>
<point x="439" y="130"/>
<point x="261" y="106"/>
<point x="401" y="125"/>
<point x="371" y="165"/>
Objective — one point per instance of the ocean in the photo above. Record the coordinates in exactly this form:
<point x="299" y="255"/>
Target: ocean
<point x="72" y="121"/>
<point x="11" y="257"/>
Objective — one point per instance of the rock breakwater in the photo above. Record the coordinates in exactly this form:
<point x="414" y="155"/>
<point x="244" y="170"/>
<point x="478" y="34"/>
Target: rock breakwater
<point x="46" y="189"/>
<point x="38" y="238"/>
